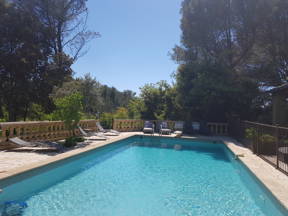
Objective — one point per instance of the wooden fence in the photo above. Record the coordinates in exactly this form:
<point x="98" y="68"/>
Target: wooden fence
<point x="42" y="130"/>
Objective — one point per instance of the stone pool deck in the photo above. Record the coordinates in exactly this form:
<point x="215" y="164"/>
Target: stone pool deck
<point x="13" y="163"/>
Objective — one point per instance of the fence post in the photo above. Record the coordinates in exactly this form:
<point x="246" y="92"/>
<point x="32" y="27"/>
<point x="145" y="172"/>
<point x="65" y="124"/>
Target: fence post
<point x="257" y="140"/>
<point x="277" y="146"/>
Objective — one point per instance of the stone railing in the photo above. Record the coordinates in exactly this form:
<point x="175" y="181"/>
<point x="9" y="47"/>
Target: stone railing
<point x="42" y="130"/>
<point x="127" y="125"/>
<point x="218" y="129"/>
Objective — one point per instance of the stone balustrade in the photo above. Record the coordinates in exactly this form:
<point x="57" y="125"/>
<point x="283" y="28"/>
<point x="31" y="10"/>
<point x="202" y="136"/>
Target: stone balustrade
<point x="218" y="129"/>
<point x="56" y="130"/>
<point x="42" y="130"/>
<point x="128" y="125"/>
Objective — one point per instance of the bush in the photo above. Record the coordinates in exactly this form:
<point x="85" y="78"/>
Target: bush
<point x="268" y="146"/>
<point x="72" y="141"/>
<point x="266" y="138"/>
<point x="106" y="120"/>
<point x="79" y="139"/>
<point x="69" y="110"/>
<point x="250" y="133"/>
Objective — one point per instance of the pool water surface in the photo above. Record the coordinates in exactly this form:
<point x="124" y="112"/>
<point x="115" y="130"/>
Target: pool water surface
<point x="147" y="177"/>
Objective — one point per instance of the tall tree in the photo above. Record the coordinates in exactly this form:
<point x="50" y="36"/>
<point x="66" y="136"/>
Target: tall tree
<point x="218" y="37"/>
<point x="66" y="21"/>
<point x="27" y="72"/>
<point x="39" y="41"/>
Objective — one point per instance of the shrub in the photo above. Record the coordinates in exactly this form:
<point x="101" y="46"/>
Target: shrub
<point x="267" y="138"/>
<point x="69" y="109"/>
<point x="106" y="120"/>
<point x="72" y="141"/>
<point x="250" y="133"/>
<point x="79" y="139"/>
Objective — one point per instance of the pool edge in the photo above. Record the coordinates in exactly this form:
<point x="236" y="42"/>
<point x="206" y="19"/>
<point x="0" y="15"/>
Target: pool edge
<point x="57" y="158"/>
<point x="272" y="179"/>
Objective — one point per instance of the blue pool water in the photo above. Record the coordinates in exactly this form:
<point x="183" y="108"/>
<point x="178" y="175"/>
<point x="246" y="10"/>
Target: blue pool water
<point x="146" y="177"/>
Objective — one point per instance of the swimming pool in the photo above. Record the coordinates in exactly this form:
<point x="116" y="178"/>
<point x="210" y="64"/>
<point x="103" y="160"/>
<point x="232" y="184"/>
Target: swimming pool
<point x="144" y="176"/>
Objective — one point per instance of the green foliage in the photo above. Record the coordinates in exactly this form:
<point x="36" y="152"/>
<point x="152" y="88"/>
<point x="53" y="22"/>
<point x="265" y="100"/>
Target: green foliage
<point x="106" y="120"/>
<point x="267" y="138"/>
<point x="69" y="109"/>
<point x="72" y="141"/>
<point x="97" y="98"/>
<point x="250" y="133"/>
<point x="35" y="39"/>
<point x="135" y="108"/>
<point x="216" y="77"/>
<point x="4" y="115"/>
<point x="121" y="113"/>
<point x="211" y="92"/>
<point x="158" y="101"/>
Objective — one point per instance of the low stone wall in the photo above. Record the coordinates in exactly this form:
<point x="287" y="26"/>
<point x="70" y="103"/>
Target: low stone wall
<point x="42" y="130"/>
<point x="129" y="125"/>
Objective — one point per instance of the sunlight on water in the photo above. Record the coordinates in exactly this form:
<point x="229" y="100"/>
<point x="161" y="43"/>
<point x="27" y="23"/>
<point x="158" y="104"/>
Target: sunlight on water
<point x="141" y="180"/>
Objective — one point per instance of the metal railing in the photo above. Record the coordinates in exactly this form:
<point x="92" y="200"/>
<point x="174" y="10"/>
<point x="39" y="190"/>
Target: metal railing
<point x="269" y="142"/>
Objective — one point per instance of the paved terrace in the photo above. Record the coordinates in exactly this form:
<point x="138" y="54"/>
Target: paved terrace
<point x="13" y="163"/>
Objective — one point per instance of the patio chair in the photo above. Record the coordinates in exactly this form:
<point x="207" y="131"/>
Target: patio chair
<point x="148" y="127"/>
<point x="92" y="135"/>
<point x="164" y="129"/>
<point x="178" y="128"/>
<point x="22" y="143"/>
<point x="109" y="132"/>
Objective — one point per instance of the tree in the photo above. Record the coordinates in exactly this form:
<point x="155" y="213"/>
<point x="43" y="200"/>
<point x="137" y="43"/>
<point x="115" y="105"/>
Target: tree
<point x="135" y="108"/>
<point x="158" y="101"/>
<point x="217" y="31"/>
<point x="66" y="21"/>
<point x="214" y="79"/>
<point x="39" y="41"/>
<point x="121" y="113"/>
<point x="27" y="73"/>
<point x="97" y="98"/>
<point x="270" y="56"/>
<point x="69" y="109"/>
<point x="210" y="92"/>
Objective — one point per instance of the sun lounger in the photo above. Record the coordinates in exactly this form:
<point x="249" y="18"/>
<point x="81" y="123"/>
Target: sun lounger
<point x="109" y="132"/>
<point x="164" y="129"/>
<point x="22" y="143"/>
<point x="92" y="135"/>
<point x="148" y="127"/>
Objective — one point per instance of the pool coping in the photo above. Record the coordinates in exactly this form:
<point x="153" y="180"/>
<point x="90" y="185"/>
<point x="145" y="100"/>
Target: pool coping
<point x="276" y="181"/>
<point x="57" y="158"/>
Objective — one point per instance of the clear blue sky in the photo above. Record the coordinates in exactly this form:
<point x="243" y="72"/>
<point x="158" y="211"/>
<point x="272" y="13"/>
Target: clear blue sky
<point x="136" y="36"/>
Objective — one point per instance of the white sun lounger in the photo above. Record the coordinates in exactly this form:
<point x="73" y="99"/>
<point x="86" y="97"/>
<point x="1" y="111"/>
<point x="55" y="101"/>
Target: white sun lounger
<point x="109" y="132"/>
<point x="92" y="135"/>
<point x="23" y="143"/>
